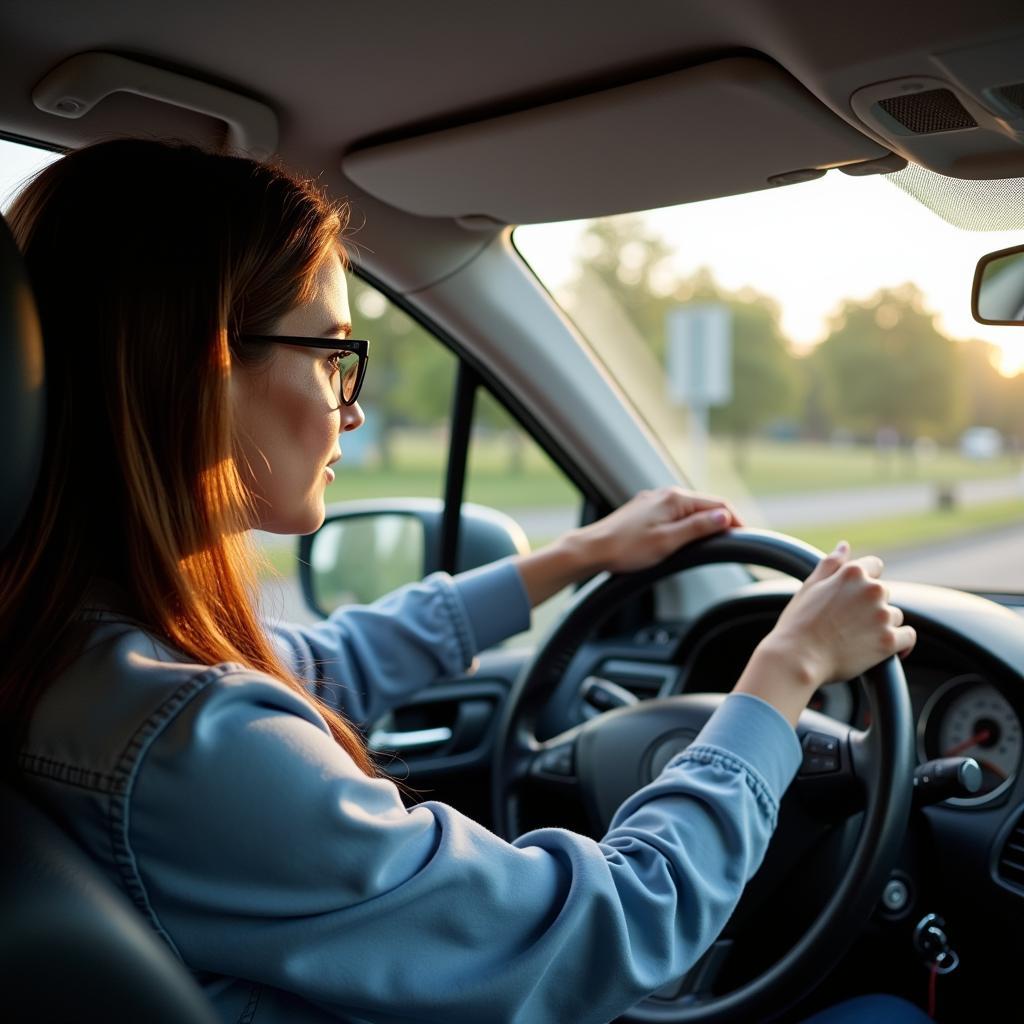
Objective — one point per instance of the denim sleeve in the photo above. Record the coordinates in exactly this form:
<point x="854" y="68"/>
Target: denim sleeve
<point x="266" y="855"/>
<point x="364" y="659"/>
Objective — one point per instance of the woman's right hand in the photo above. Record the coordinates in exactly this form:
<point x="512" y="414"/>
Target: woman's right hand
<point x="838" y="625"/>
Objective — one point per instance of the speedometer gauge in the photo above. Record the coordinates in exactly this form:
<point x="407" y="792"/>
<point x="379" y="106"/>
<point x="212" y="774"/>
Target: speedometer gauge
<point x="969" y="717"/>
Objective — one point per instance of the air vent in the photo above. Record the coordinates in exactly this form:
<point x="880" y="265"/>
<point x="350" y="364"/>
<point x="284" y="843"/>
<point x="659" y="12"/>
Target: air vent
<point x="620" y="684"/>
<point x="1011" y="859"/>
<point x="925" y="113"/>
<point x="643" y="679"/>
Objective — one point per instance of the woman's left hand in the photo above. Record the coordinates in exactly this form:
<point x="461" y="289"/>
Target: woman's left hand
<point x="637" y="535"/>
<point x="649" y="527"/>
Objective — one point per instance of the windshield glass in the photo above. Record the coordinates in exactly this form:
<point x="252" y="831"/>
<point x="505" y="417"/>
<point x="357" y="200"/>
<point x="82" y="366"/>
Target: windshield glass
<point x="809" y="353"/>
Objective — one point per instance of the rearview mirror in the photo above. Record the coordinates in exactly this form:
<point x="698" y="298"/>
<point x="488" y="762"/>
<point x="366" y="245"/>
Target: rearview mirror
<point x="365" y="549"/>
<point x="998" y="294"/>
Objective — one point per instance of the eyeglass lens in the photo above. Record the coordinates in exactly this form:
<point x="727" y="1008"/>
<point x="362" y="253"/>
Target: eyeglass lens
<point x="348" y="374"/>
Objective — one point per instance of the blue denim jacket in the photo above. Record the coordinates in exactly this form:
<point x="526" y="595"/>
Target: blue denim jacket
<point x="299" y="890"/>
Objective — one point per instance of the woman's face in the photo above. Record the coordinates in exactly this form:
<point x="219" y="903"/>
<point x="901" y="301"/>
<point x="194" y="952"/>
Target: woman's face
<point x="287" y="412"/>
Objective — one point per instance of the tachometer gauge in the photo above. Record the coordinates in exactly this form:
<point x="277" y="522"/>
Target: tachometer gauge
<point x="969" y="717"/>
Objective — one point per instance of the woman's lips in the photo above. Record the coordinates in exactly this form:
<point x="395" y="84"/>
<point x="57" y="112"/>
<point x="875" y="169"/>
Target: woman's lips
<point x="329" y="473"/>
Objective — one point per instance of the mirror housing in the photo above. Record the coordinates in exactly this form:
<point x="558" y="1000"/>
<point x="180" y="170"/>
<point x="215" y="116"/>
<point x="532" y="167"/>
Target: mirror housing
<point x="365" y="549"/>
<point x="998" y="293"/>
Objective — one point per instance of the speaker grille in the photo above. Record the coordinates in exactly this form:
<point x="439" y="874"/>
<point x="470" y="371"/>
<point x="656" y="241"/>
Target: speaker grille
<point x="925" y="113"/>
<point x="1013" y="94"/>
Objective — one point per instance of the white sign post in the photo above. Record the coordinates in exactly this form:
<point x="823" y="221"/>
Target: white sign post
<point x="699" y="364"/>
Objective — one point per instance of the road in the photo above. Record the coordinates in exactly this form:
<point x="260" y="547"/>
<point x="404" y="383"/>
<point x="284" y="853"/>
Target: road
<point x="816" y="508"/>
<point x="991" y="561"/>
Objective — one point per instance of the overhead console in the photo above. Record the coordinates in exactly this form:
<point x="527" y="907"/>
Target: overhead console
<point x="965" y="120"/>
<point x="728" y="126"/>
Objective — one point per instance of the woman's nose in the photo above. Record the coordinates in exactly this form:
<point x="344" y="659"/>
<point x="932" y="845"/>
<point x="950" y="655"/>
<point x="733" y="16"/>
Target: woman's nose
<point x="352" y="417"/>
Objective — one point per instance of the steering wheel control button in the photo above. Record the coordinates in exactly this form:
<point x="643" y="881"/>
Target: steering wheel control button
<point x="558" y="761"/>
<point x="818" y="743"/>
<point x="821" y="754"/>
<point x="816" y="764"/>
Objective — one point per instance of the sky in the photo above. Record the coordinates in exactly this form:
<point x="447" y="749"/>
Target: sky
<point x="808" y="245"/>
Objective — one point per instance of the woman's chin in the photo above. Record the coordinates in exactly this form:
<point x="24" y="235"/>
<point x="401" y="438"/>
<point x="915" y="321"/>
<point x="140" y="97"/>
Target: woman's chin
<point x="309" y="519"/>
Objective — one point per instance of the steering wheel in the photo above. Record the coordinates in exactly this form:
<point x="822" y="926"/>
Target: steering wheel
<point x="602" y="761"/>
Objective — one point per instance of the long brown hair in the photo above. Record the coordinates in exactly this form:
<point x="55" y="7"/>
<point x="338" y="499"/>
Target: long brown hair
<point x="148" y="261"/>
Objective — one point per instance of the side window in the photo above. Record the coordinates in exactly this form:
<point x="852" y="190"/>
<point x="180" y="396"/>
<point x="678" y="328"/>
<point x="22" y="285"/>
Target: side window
<point x="508" y="470"/>
<point x="402" y="448"/>
<point x="18" y="162"/>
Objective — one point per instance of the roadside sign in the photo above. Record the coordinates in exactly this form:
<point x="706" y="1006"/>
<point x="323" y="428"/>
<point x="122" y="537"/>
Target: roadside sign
<point x="699" y="356"/>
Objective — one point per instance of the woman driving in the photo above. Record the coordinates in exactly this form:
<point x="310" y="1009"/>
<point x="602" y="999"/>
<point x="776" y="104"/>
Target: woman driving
<point x="200" y="377"/>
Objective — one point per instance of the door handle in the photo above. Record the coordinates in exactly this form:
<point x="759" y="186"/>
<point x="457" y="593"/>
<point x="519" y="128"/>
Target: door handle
<point x="413" y="739"/>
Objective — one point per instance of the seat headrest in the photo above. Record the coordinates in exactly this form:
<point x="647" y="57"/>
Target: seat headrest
<point x="22" y="388"/>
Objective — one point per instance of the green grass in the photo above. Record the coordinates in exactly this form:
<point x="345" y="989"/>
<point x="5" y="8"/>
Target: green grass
<point x="505" y="491"/>
<point x="900" y="533"/>
<point x="773" y="467"/>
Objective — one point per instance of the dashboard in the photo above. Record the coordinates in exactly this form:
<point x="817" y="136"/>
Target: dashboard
<point x="965" y="678"/>
<point x="960" y="709"/>
<point x="962" y="859"/>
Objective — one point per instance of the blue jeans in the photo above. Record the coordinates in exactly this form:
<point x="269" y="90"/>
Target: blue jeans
<point x="878" y="1009"/>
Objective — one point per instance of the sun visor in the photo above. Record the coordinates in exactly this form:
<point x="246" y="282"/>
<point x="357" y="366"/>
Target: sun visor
<point x="729" y="126"/>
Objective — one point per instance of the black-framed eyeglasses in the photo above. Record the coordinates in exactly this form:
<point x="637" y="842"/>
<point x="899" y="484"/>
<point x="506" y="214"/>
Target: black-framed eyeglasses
<point x="352" y="359"/>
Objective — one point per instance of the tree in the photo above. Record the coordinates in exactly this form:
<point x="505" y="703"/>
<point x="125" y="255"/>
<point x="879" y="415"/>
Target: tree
<point x="993" y="399"/>
<point x="886" y="366"/>
<point x="411" y="376"/>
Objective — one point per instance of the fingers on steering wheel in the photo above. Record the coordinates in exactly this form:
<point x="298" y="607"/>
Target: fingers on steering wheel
<point x="687" y="502"/>
<point x="828" y="566"/>
<point x="872" y="564"/>
<point x="693" y="527"/>
<point x="906" y="638"/>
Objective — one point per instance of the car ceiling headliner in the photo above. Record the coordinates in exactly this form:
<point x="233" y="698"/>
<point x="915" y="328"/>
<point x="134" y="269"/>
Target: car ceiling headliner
<point x="341" y="74"/>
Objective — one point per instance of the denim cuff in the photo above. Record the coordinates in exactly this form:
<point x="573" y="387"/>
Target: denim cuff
<point x="753" y="732"/>
<point x="494" y="601"/>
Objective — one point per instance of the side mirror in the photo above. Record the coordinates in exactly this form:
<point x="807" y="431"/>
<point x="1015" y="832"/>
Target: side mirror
<point x="998" y="294"/>
<point x="365" y="549"/>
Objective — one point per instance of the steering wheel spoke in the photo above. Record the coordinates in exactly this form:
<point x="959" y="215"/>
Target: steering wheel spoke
<point x="553" y="763"/>
<point x="830" y="781"/>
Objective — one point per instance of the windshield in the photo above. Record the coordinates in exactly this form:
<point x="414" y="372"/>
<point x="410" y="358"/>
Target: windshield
<point x="809" y="353"/>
